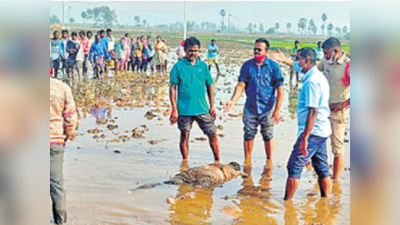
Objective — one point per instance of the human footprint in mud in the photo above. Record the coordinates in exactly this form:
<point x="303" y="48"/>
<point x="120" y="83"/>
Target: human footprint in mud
<point x="191" y="77"/>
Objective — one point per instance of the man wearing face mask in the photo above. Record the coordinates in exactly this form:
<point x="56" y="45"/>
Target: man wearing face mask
<point x="336" y="67"/>
<point x="192" y="78"/>
<point x="261" y="78"/>
<point x="314" y="126"/>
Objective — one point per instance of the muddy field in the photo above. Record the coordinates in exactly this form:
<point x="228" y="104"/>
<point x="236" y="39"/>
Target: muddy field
<point x="125" y="140"/>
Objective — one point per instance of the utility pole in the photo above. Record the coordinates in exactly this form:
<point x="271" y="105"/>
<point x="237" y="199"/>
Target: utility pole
<point x="63" y="21"/>
<point x="185" y="21"/>
<point x="229" y="26"/>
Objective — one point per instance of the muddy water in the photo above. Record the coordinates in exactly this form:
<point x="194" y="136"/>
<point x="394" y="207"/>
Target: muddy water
<point x="100" y="182"/>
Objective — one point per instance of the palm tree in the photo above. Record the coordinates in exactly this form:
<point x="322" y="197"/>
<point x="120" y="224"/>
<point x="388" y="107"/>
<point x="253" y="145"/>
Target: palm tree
<point x="223" y="14"/>
<point x="311" y="26"/>
<point x="137" y="20"/>
<point x="84" y="16"/>
<point x="203" y="24"/>
<point x="324" y="18"/>
<point x="323" y="28"/>
<point x="277" y="26"/>
<point x="288" y="26"/>
<point x="330" y="28"/>
<point x="344" y="30"/>
<point x="144" y="23"/>
<point x="303" y="24"/>
<point x="338" y="30"/>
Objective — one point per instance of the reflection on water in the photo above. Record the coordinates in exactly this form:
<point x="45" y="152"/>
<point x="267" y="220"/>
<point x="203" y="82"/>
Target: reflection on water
<point x="193" y="205"/>
<point x="254" y="201"/>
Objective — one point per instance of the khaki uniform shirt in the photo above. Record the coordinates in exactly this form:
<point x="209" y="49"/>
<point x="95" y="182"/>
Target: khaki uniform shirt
<point x="334" y="73"/>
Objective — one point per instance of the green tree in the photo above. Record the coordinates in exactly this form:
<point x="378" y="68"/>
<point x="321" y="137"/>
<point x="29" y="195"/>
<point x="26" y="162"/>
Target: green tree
<point x="137" y="20"/>
<point x="288" y="26"/>
<point x="277" y="26"/>
<point x="330" y="29"/>
<point x="84" y="16"/>
<point x="144" y="23"/>
<point x="303" y="25"/>
<point x="338" y="31"/>
<point x="324" y="18"/>
<point x="261" y="28"/>
<point x="54" y="20"/>
<point x="71" y="20"/>
<point x="250" y="28"/>
<point x="223" y="14"/>
<point x="344" y="30"/>
<point x="271" y="31"/>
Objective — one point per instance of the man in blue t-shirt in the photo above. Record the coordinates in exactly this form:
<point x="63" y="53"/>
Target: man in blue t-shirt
<point x="213" y="55"/>
<point x="261" y="78"/>
<point x="190" y="82"/>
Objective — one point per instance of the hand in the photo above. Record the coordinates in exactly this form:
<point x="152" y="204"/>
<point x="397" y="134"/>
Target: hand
<point x="213" y="114"/>
<point x="276" y="116"/>
<point x="336" y="107"/>
<point x="174" y="117"/>
<point x="304" y="145"/>
<point x="229" y="105"/>
<point x="278" y="56"/>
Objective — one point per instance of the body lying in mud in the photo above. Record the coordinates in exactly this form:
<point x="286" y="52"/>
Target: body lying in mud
<point x="203" y="176"/>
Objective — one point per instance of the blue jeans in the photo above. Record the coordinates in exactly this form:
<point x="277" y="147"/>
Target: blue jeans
<point x="316" y="153"/>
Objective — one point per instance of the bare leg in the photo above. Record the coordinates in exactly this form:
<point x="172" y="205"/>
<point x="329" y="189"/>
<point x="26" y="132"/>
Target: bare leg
<point x="291" y="187"/>
<point x="269" y="148"/>
<point x="325" y="186"/>
<point x="184" y="145"/>
<point x="214" y="144"/>
<point x="248" y="148"/>
<point x="337" y="167"/>
<point x="217" y="69"/>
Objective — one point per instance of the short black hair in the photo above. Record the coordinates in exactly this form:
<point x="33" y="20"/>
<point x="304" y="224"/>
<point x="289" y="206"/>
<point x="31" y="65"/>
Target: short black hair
<point x="101" y="31"/>
<point x="331" y="43"/>
<point x="235" y="165"/>
<point x="148" y="37"/>
<point x="192" y="41"/>
<point x="64" y="31"/>
<point x="213" y="40"/>
<point x="297" y="42"/>
<point x="109" y="30"/>
<point x="309" y="54"/>
<point x="82" y="32"/>
<point x="74" y="34"/>
<point x="127" y="34"/>
<point x="55" y="32"/>
<point x="263" y="40"/>
<point x="89" y="32"/>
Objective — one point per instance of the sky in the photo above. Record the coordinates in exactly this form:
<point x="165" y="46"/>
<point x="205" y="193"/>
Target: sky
<point x="243" y="12"/>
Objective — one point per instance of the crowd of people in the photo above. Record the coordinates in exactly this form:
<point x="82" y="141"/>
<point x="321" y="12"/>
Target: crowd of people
<point x="322" y="111"/>
<point x="71" y="54"/>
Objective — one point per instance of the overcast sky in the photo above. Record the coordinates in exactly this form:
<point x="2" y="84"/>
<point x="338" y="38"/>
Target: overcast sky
<point x="243" y="13"/>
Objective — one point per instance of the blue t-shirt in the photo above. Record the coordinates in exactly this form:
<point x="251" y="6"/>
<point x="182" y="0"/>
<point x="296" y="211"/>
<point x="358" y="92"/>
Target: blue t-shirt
<point x="192" y="81"/>
<point x="212" y="55"/>
<point x="261" y="84"/>
<point x="314" y="94"/>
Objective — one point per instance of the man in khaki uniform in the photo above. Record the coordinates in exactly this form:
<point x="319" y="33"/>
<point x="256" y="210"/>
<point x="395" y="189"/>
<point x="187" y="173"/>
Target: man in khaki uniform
<point x="335" y="66"/>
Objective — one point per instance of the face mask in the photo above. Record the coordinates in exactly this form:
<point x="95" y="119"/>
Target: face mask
<point x="333" y="58"/>
<point x="260" y="58"/>
<point x="296" y="67"/>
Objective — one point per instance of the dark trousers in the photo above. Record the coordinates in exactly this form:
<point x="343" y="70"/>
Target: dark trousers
<point x="57" y="191"/>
